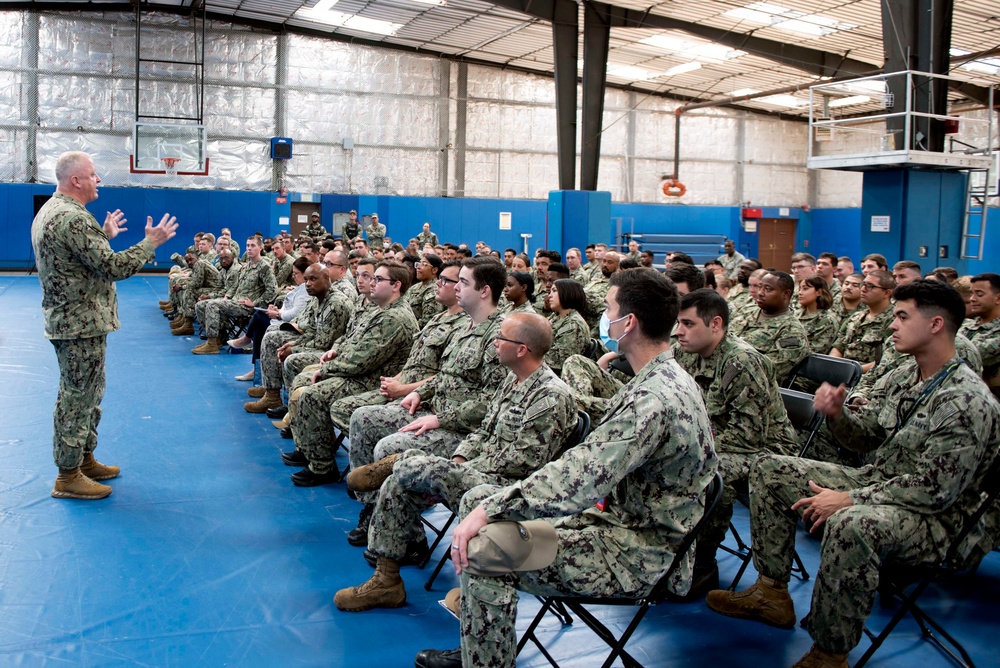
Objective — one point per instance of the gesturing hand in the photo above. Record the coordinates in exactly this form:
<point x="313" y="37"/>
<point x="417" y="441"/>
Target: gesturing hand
<point x="163" y="232"/>
<point x="114" y="223"/>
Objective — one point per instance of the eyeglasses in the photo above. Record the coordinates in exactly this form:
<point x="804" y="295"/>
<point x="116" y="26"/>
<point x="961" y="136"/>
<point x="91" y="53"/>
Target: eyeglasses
<point x="421" y="264"/>
<point x="446" y="281"/>
<point x="865" y="287"/>
<point x="516" y="343"/>
<point x="377" y="280"/>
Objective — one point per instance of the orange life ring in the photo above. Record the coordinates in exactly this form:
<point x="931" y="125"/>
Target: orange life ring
<point x="674" y="188"/>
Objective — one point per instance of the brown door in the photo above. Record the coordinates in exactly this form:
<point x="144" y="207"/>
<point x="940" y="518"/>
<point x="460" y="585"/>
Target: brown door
<point x="776" y="242"/>
<point x="300" y="216"/>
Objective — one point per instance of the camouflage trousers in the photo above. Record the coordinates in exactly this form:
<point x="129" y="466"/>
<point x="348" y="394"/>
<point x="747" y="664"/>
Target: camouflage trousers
<point x="856" y="541"/>
<point x="375" y="435"/>
<point x="312" y="427"/>
<point x="186" y="300"/>
<point x="78" y="404"/>
<point x="735" y="470"/>
<point x="270" y="368"/>
<point x="342" y="409"/>
<point x="489" y="604"/>
<point x="591" y="385"/>
<point x="403" y="497"/>
<point x="304" y="364"/>
<point x="219" y="312"/>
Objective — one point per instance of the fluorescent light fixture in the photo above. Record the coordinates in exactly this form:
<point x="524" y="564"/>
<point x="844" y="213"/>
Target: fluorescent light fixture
<point x="783" y="101"/>
<point x="631" y="73"/>
<point x="782" y="18"/>
<point x="850" y="101"/>
<point x="744" y="91"/>
<point x="682" y="68"/>
<point x="704" y="51"/>
<point x="984" y="65"/>
<point x="321" y="13"/>
<point x="430" y="2"/>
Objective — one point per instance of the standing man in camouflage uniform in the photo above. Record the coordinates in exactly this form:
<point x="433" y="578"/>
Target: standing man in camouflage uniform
<point x="77" y="269"/>
<point x="905" y="505"/>
<point x="984" y="331"/>
<point x="426" y="237"/>
<point x="315" y="228"/>
<point x="861" y="336"/>
<point x="774" y="331"/>
<point x="256" y="288"/>
<point x="440" y="412"/>
<point x="731" y="260"/>
<point x="352" y="228"/>
<point x="376" y="233"/>
<point x="318" y="325"/>
<point x="743" y="402"/>
<point x="651" y="460"/>
<point x="528" y="420"/>
<point x="379" y="347"/>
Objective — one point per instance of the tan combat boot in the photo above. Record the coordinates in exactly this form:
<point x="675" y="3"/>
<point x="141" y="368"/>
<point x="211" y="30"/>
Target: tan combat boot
<point x="256" y="392"/>
<point x="95" y="470"/>
<point x="185" y="329"/>
<point x="384" y="590"/>
<point x="766" y="601"/>
<point x="271" y="399"/>
<point x="178" y="321"/>
<point x="71" y="484"/>
<point x="369" y="478"/>
<point x="210" y="347"/>
<point x="818" y="658"/>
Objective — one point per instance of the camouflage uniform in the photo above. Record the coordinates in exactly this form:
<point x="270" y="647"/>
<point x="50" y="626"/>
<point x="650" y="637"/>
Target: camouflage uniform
<point x="732" y="263"/>
<point x="256" y="283"/>
<point x="378" y="349"/>
<point x="841" y="312"/>
<point x="539" y="303"/>
<point x="77" y="269"/>
<point x="570" y="336"/>
<point x="595" y="292"/>
<point x="283" y="272"/>
<point x="780" y="338"/>
<point x="457" y="395"/>
<point x="320" y="324"/>
<point x="351" y="230"/>
<point x="592" y="386"/>
<point x="738" y="296"/>
<point x="985" y="336"/>
<point x="822" y="327"/>
<point x="423" y="362"/>
<point x="907" y="502"/>
<point x="229" y="281"/>
<point x="748" y="418"/>
<point x="526" y="424"/>
<point x="346" y="287"/>
<point x="204" y="280"/>
<point x="425" y="238"/>
<point x="376" y="235"/>
<point x="420" y="297"/>
<point x="581" y="275"/>
<point x="861" y="337"/>
<point x="315" y="230"/>
<point x="651" y="460"/>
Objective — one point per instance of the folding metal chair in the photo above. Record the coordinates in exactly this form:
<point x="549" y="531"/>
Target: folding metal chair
<point x="579" y="433"/>
<point x="659" y="594"/>
<point x="817" y="369"/>
<point x="895" y="579"/>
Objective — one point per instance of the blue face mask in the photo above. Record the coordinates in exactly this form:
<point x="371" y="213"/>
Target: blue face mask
<point x="604" y="326"/>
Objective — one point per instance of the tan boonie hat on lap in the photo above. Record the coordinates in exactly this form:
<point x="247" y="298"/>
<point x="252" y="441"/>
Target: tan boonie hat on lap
<point x="502" y="547"/>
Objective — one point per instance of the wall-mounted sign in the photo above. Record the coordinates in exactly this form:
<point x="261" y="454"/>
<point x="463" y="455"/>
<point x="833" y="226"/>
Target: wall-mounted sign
<point x="880" y="223"/>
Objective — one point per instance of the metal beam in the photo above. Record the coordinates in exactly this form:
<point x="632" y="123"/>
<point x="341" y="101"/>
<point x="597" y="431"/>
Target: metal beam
<point x="596" y="42"/>
<point x="565" y="28"/>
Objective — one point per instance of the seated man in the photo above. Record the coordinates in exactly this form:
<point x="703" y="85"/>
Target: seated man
<point x="648" y="463"/>
<point x="353" y="365"/>
<point x="742" y="398"/>
<point x="318" y="325"/>
<point x="204" y="279"/>
<point x="984" y="330"/>
<point x="437" y="415"/>
<point x="529" y="418"/>
<point x="256" y="288"/>
<point x="863" y="332"/>
<point x="597" y="289"/>
<point x="774" y="331"/>
<point x="421" y="295"/>
<point x="904" y="505"/>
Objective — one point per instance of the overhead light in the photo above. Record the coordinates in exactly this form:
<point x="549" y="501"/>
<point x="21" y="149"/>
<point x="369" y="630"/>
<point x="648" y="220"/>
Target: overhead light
<point x="705" y="51"/>
<point x="744" y="91"/>
<point x="430" y="2"/>
<point x="631" y="73"/>
<point x="321" y="13"/>
<point x="789" y="101"/>
<point x="682" y="68"/>
<point x="782" y="18"/>
<point x="849" y="101"/>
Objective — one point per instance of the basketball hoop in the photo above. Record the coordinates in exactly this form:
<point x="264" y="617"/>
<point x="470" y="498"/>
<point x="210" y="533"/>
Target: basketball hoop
<point x="171" y="165"/>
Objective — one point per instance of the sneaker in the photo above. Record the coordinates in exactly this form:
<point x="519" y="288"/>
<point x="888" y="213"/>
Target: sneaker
<point x="766" y="601"/>
<point x="383" y="590"/>
<point x="73" y="484"/>
<point x="95" y="470"/>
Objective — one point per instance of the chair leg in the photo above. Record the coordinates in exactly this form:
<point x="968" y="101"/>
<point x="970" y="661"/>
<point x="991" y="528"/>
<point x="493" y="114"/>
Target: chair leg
<point x="437" y="540"/>
<point x="799" y="568"/>
<point x="445" y="558"/>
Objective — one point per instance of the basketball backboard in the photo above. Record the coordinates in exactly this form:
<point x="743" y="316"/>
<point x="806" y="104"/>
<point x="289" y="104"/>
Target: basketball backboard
<point x="154" y="144"/>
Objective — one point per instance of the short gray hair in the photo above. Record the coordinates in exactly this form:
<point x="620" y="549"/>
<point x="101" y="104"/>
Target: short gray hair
<point x="68" y="163"/>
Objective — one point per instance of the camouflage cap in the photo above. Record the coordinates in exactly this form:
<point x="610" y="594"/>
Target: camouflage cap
<point x="502" y="547"/>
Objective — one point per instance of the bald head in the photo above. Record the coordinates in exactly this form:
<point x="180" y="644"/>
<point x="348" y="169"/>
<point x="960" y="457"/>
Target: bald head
<point x="532" y="329"/>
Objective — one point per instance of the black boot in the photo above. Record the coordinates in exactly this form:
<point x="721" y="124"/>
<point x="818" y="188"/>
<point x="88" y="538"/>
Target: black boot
<point x="358" y="537"/>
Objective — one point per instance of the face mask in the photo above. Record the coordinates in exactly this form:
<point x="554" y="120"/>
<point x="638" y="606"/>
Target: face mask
<point x="605" y="325"/>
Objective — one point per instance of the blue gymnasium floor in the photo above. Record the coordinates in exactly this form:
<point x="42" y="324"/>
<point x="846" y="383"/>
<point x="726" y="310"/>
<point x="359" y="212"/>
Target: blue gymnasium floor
<point x="206" y="555"/>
